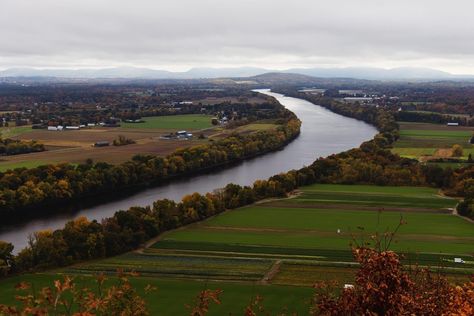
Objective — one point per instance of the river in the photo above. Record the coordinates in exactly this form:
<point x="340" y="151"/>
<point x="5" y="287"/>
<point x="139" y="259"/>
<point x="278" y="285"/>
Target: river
<point x="322" y="133"/>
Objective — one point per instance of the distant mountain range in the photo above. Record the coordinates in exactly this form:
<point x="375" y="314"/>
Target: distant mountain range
<point x="404" y="73"/>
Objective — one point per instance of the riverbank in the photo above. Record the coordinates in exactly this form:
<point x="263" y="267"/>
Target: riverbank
<point x="317" y="139"/>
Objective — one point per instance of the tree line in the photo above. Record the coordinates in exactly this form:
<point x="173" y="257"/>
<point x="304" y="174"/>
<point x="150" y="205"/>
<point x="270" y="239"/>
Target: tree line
<point x="371" y="163"/>
<point x="15" y="147"/>
<point x="435" y="118"/>
<point x="24" y="189"/>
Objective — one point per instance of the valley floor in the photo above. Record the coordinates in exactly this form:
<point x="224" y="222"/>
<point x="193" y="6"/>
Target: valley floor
<point x="279" y="248"/>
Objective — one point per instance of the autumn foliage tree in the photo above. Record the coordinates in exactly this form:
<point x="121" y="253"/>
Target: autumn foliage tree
<point x="66" y="298"/>
<point x="383" y="286"/>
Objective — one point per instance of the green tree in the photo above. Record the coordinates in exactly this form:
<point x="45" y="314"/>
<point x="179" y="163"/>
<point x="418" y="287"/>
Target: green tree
<point x="6" y="257"/>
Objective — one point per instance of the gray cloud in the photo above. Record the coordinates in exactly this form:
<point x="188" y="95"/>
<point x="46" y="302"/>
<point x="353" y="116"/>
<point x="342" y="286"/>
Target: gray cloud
<point x="278" y="34"/>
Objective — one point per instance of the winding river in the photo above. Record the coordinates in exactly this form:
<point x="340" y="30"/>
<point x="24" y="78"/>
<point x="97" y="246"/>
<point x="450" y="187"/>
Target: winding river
<point x="322" y="133"/>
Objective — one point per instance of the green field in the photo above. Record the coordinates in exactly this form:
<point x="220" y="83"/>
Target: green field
<point x="279" y="248"/>
<point x="173" y="296"/>
<point x="7" y="132"/>
<point x="327" y="217"/>
<point x="173" y="122"/>
<point x="6" y="165"/>
<point x="424" y="140"/>
<point x="183" y="266"/>
<point x="431" y="112"/>
<point x="413" y="152"/>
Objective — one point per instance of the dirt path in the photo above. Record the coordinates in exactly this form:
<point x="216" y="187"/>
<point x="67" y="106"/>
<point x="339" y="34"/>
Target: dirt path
<point x="290" y="195"/>
<point x="267" y="278"/>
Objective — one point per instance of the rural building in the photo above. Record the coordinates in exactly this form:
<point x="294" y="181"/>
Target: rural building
<point x="55" y="128"/>
<point x="102" y="143"/>
<point x="183" y="135"/>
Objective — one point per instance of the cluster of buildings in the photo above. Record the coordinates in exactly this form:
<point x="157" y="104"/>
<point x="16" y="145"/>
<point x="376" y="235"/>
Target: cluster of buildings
<point x="76" y="127"/>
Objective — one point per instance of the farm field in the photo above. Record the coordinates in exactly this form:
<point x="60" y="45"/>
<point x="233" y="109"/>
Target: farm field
<point x="279" y="248"/>
<point x="8" y="132"/>
<point x="173" y="122"/>
<point x="257" y="99"/>
<point x="172" y="297"/>
<point x="77" y="146"/>
<point x="427" y="141"/>
<point x="431" y="112"/>
<point x="22" y="164"/>
<point x="327" y="218"/>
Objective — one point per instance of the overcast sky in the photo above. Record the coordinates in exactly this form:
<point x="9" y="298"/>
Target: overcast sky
<point x="179" y="34"/>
